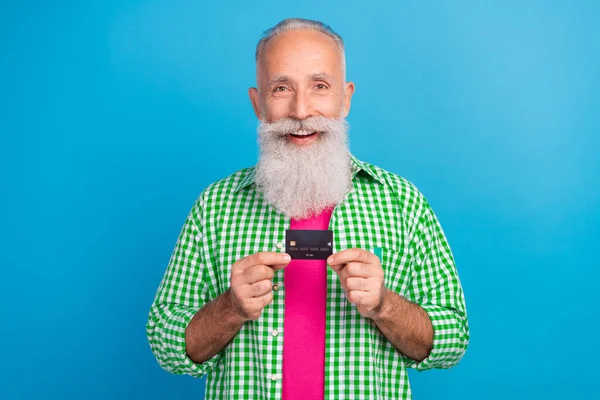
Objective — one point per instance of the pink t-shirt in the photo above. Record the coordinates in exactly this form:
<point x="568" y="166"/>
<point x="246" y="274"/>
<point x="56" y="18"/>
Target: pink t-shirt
<point x="305" y="285"/>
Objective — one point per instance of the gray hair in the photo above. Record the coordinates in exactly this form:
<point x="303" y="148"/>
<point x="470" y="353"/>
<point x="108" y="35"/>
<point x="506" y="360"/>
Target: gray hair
<point x="299" y="24"/>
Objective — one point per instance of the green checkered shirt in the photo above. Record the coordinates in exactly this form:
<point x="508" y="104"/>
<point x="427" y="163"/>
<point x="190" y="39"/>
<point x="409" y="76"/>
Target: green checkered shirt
<point x="383" y="213"/>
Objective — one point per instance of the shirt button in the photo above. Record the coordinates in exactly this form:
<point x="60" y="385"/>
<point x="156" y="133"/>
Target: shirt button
<point x="275" y="332"/>
<point x="274" y="377"/>
<point x="275" y="287"/>
<point x="279" y="245"/>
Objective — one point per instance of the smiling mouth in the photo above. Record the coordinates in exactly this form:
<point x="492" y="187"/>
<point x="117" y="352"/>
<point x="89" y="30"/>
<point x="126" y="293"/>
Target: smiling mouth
<point x="303" y="134"/>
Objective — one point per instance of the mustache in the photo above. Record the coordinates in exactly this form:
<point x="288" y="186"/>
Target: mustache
<point x="286" y="126"/>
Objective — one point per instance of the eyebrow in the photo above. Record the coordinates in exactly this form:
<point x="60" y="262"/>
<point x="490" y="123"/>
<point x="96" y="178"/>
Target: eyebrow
<point x="319" y="76"/>
<point x="279" y="79"/>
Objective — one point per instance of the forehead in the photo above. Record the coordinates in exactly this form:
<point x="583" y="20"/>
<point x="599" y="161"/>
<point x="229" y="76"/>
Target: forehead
<point x="300" y="53"/>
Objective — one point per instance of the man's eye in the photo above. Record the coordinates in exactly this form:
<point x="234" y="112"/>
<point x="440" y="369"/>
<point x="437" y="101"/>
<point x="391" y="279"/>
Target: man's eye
<point x="321" y="86"/>
<point x="280" y="89"/>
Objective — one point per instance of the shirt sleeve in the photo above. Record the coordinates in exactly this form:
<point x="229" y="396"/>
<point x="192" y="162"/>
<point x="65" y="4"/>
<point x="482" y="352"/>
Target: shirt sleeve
<point x="436" y="288"/>
<point x="183" y="291"/>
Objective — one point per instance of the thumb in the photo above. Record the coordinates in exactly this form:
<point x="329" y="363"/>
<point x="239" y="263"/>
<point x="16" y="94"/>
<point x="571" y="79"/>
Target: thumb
<point x="287" y="261"/>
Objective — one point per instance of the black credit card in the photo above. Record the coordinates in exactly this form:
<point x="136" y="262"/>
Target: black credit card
<point x="308" y="244"/>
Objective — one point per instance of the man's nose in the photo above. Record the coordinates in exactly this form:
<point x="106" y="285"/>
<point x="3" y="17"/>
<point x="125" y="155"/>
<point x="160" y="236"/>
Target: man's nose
<point x="301" y="106"/>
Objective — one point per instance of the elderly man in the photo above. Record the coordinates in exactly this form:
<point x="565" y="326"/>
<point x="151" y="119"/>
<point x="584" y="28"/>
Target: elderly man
<point x="234" y="305"/>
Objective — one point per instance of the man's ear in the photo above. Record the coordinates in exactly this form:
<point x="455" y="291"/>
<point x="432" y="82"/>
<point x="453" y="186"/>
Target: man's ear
<point x="253" y="93"/>
<point x="348" y="97"/>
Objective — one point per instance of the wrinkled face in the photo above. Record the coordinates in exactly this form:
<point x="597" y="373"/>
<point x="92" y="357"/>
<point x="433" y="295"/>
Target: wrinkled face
<point x="299" y="75"/>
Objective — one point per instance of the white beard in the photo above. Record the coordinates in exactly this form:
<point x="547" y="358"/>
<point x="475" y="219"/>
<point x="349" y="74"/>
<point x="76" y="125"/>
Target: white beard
<point x="302" y="181"/>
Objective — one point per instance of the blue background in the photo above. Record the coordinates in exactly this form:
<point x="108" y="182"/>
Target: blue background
<point x="114" y="115"/>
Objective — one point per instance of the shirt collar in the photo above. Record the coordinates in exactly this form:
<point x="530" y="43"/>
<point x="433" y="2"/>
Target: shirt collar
<point x="357" y="167"/>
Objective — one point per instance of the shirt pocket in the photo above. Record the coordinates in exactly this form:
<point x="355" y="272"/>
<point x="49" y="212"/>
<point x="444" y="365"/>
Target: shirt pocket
<point x="397" y="268"/>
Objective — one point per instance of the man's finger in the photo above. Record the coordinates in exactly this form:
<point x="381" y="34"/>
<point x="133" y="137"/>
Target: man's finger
<point x="269" y="258"/>
<point x="359" y="269"/>
<point x="353" y="269"/>
<point x="260" y="288"/>
<point x="276" y="267"/>
<point x="265" y="299"/>
<point x="357" y="297"/>
<point x="351" y="255"/>
<point x="355" y="283"/>
<point x="258" y="273"/>
<point x="338" y="268"/>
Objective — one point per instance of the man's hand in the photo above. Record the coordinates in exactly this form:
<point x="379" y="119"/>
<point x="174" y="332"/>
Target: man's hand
<point x="361" y="277"/>
<point x="251" y="286"/>
<point x="215" y="324"/>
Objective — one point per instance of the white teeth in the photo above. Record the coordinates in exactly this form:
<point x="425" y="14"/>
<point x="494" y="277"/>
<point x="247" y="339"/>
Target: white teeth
<point x="303" y="133"/>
